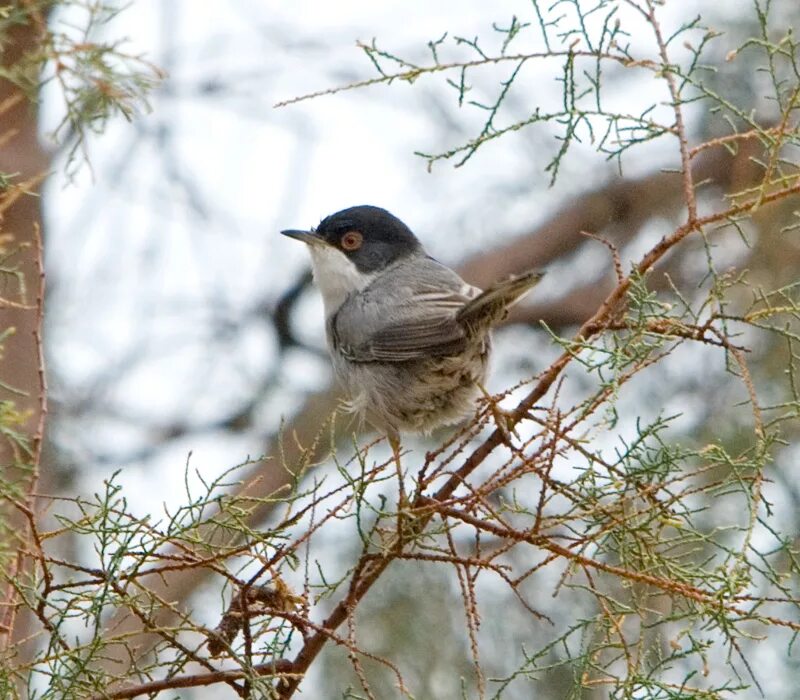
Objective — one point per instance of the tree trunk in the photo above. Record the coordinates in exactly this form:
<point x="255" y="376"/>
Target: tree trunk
<point x="22" y="156"/>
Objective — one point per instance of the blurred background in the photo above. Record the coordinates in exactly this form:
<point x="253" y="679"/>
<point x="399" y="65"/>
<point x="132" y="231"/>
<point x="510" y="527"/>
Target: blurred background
<point x="182" y="329"/>
<point x="167" y="274"/>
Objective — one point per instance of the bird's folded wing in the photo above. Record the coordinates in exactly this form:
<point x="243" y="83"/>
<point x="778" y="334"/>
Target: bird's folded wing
<point x="387" y="329"/>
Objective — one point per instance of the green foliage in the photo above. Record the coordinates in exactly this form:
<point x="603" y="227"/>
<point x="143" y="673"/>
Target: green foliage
<point x="97" y="78"/>
<point x="42" y="41"/>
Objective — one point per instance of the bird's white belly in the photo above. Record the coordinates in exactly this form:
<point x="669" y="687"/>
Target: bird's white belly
<point x="415" y="396"/>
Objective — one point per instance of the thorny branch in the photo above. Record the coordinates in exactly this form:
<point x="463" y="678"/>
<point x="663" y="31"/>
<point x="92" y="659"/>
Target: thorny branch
<point x="600" y="322"/>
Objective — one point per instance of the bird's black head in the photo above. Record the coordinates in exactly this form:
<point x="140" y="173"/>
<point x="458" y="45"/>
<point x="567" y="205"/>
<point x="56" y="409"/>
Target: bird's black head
<point x="370" y="237"/>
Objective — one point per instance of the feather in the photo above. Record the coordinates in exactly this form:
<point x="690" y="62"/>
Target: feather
<point x="412" y="316"/>
<point x="492" y="305"/>
<point x="419" y="312"/>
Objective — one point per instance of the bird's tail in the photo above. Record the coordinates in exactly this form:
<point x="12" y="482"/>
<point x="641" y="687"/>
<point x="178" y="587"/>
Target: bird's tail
<point x="492" y="305"/>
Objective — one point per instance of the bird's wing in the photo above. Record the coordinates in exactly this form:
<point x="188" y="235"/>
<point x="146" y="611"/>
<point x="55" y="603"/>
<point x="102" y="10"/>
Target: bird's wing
<point x="410" y="314"/>
<point x="492" y="305"/>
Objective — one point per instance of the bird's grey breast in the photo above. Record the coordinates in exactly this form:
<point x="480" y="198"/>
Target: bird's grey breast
<point x="400" y="352"/>
<point x="407" y="313"/>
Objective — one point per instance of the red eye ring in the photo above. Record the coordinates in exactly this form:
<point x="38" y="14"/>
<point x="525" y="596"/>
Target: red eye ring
<point x="352" y="240"/>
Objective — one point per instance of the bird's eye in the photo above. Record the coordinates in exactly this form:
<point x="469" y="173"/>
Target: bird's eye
<point x="352" y="240"/>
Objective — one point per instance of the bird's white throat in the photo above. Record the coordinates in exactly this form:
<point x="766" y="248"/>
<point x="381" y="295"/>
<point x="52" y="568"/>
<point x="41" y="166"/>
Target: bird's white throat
<point x="336" y="276"/>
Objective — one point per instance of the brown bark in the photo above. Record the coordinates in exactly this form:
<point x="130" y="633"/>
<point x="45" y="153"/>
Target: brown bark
<point x="21" y="155"/>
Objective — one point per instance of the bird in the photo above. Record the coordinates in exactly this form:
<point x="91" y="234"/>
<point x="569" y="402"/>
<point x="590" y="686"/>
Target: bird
<point x="409" y="339"/>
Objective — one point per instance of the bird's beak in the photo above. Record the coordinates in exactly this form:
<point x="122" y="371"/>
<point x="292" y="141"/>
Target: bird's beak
<point x="310" y="237"/>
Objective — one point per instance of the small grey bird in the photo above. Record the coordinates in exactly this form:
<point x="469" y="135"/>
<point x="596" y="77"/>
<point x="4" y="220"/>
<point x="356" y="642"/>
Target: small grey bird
<point x="408" y="337"/>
